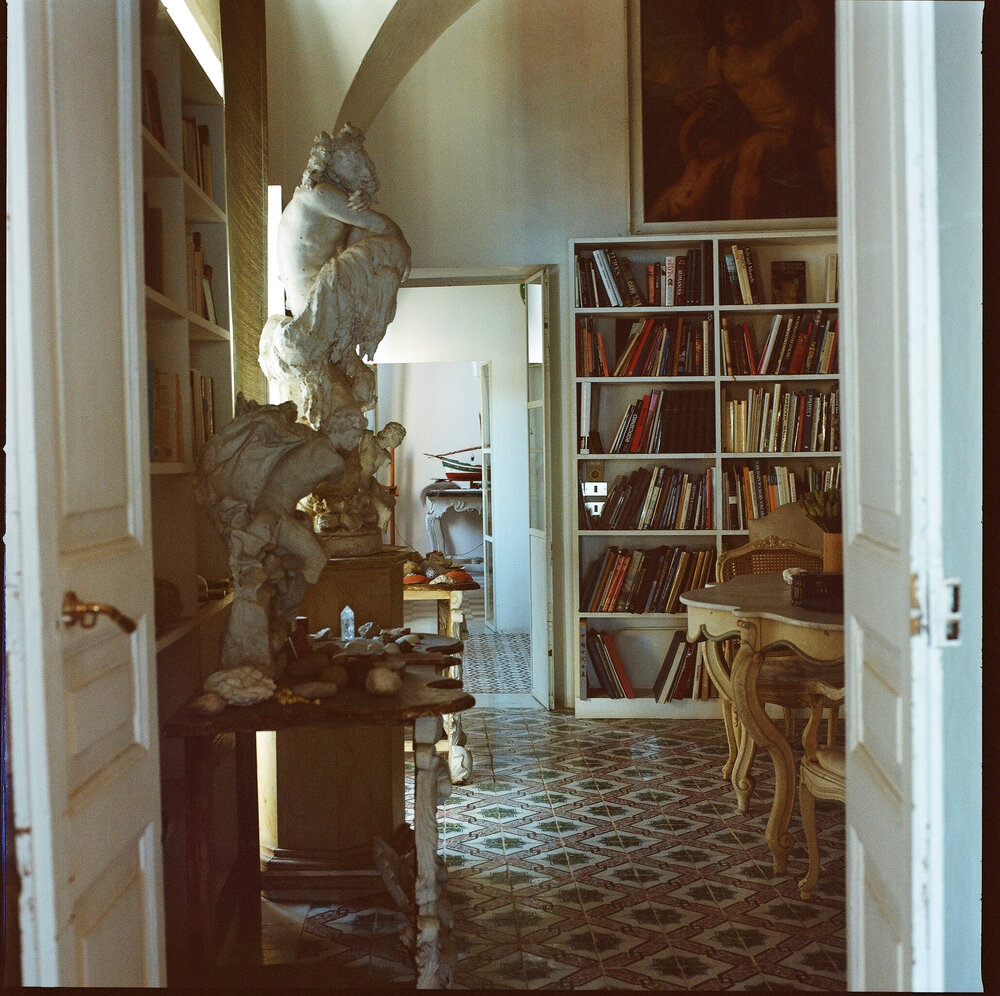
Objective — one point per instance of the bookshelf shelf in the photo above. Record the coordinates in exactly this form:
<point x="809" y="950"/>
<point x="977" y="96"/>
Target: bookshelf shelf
<point x="645" y="368"/>
<point x="189" y="357"/>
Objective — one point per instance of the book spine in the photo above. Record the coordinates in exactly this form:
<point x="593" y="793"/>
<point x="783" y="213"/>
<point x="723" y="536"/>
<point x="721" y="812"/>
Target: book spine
<point x="669" y="281"/>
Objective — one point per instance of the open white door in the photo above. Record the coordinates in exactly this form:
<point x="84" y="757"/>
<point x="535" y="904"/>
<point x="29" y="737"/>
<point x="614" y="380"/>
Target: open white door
<point x="83" y="730"/>
<point x="895" y="244"/>
<point x="539" y="512"/>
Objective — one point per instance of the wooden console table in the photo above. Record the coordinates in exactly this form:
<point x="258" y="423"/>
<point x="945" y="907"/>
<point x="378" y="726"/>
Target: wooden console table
<point x="441" y="498"/>
<point x="419" y="701"/>
<point x="757" y="609"/>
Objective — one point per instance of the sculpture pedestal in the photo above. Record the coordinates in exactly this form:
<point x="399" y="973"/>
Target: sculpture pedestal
<point x="324" y="795"/>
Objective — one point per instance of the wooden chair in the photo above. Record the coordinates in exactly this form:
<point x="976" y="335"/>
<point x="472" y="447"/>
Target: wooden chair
<point x="783" y="678"/>
<point x="821" y="776"/>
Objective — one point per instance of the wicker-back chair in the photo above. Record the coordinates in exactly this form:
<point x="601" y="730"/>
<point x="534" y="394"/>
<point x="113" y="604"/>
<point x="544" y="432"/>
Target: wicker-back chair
<point x="784" y="677"/>
<point x="771" y="555"/>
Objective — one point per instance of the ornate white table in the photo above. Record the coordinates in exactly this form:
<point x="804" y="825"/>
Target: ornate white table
<point x="757" y="609"/>
<point x="443" y="497"/>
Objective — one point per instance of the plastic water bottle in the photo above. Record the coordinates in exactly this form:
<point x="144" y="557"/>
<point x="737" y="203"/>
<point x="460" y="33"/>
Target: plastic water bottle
<point x="347" y="623"/>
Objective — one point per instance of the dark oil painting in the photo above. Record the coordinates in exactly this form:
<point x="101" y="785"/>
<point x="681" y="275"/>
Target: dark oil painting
<point x="737" y="104"/>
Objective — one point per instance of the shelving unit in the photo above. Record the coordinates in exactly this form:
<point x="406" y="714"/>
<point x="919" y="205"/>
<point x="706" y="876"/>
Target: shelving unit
<point x="180" y="339"/>
<point x="643" y="638"/>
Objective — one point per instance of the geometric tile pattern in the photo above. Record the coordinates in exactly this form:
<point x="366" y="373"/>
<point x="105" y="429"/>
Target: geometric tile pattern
<point x="497" y="663"/>
<point x="597" y="854"/>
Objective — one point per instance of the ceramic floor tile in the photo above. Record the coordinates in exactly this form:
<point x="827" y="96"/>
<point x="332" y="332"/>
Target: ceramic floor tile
<point x="587" y="854"/>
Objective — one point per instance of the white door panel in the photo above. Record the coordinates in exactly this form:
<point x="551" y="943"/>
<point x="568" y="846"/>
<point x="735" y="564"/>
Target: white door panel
<point x="83" y="730"/>
<point x="895" y="465"/>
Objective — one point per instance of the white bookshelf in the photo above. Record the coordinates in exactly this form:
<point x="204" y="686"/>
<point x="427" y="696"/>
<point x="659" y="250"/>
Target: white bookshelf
<point x="643" y="638"/>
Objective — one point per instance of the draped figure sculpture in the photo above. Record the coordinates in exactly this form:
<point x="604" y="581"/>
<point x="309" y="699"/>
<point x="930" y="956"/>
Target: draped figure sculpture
<point x="341" y="264"/>
<point x="251" y="476"/>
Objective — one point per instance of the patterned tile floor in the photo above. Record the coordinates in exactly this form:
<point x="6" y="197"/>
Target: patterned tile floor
<point x="588" y="854"/>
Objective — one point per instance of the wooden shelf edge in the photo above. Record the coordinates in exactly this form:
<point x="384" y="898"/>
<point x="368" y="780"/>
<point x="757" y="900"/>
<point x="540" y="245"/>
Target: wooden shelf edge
<point x="170" y="469"/>
<point x="190" y="623"/>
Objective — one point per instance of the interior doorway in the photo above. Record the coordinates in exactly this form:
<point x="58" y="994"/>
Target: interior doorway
<point x="446" y="334"/>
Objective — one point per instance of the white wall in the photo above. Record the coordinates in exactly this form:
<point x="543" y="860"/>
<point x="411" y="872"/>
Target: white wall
<point x="458" y="325"/>
<point x="509" y="137"/>
<point x="439" y="405"/>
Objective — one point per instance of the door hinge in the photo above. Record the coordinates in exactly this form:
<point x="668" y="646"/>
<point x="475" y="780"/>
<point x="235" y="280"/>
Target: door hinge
<point x="946" y="612"/>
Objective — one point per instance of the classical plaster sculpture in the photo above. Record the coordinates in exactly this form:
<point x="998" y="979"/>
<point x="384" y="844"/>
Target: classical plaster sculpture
<point x="341" y="264"/>
<point x="250" y="476"/>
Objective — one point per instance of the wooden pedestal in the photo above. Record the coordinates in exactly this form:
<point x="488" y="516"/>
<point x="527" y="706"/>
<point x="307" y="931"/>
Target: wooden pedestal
<point x="324" y="795"/>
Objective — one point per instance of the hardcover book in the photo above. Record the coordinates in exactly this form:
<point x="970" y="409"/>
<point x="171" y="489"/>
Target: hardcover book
<point x="788" y="281"/>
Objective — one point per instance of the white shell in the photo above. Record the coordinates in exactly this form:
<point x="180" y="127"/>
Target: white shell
<point x="381" y="681"/>
<point x="240" y="685"/>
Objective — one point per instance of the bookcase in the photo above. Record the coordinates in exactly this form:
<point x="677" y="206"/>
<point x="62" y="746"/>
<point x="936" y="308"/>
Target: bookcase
<point x="706" y="394"/>
<point x="189" y="367"/>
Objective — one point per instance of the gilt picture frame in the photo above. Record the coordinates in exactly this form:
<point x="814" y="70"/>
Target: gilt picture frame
<point x="732" y="115"/>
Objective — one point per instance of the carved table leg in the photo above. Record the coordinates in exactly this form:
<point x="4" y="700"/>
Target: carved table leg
<point x="459" y="756"/>
<point x="434" y="951"/>
<point x="743" y="782"/>
<point x="746" y="668"/>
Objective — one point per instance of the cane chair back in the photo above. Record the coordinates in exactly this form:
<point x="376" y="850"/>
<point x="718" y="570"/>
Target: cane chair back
<point x="767" y="556"/>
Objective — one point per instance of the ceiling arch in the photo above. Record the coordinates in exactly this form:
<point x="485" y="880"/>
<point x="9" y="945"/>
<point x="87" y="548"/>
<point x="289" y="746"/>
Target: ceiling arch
<point x="408" y="31"/>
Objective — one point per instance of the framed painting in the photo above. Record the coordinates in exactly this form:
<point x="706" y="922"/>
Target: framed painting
<point x="732" y="114"/>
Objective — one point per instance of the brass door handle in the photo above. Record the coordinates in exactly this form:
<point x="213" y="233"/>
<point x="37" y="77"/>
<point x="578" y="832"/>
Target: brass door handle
<point x="85" y="613"/>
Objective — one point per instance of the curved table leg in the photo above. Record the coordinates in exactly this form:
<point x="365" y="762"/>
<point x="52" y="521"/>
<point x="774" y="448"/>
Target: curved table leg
<point x="718" y="672"/>
<point x="746" y="668"/>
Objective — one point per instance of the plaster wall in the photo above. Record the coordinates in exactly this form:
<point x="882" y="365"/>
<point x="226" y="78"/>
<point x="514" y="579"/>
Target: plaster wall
<point x="509" y="137"/>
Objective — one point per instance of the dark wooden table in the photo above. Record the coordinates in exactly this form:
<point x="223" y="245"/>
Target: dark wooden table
<point x="421" y="701"/>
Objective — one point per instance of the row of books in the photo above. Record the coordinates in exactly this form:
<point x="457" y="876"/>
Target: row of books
<point x="681" y="280"/>
<point x="657" y="498"/>
<point x="642" y="581"/>
<point x="605" y="280"/>
<point x="166" y="435"/>
<point x="202" y="409"/>
<point x="608" y="665"/>
<point x="201" y="299"/>
<point x="741" y="279"/>
<point x="683" y="673"/>
<point x="196" y="148"/>
<point x="797" y="343"/>
<point x="591" y="359"/>
<point x="165" y="414"/>
<point x="782" y="421"/>
<point x="680" y="347"/>
<point x="750" y="491"/>
<point x="664" y="421"/>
